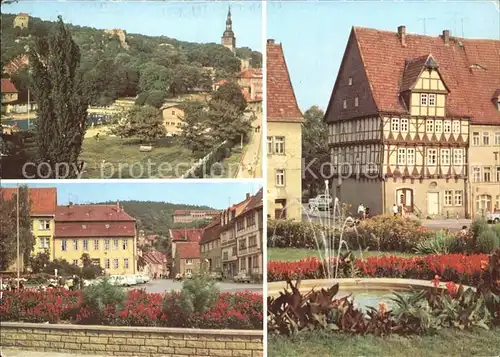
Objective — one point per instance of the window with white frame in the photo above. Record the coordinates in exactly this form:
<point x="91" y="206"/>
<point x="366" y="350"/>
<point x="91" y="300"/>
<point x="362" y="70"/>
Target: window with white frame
<point x="438" y="126"/>
<point x="43" y="242"/>
<point x="189" y="261"/>
<point x="344" y="104"/>
<point x="447" y="126"/>
<point x="125" y="263"/>
<point x="486" y="138"/>
<point x="487" y="174"/>
<point x="476" y="174"/>
<point x="116" y="244"/>
<point x="424" y="99"/>
<point x="458" y="157"/>
<point x="431" y="157"/>
<point x="448" y="197"/>
<point x="456" y="126"/>
<point x="401" y="156"/>
<point x="410" y="156"/>
<point x="432" y="100"/>
<point x="107" y="264"/>
<point x="279" y="145"/>
<point x="280" y="177"/>
<point x="115" y="263"/>
<point x="404" y="125"/>
<point x="125" y="244"/>
<point x="75" y="244"/>
<point x="497" y="138"/>
<point x="458" y="198"/>
<point x="429" y="126"/>
<point x="96" y="244"/>
<point x="64" y="245"/>
<point x="44" y="225"/>
<point x="356" y="101"/>
<point x="106" y="244"/>
<point x="395" y="124"/>
<point x="269" y="145"/>
<point x="85" y="244"/>
<point x="475" y="139"/>
<point x="75" y="262"/>
<point x="445" y="157"/>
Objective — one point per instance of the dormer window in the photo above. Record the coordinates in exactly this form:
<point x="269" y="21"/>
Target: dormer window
<point x="350" y="81"/>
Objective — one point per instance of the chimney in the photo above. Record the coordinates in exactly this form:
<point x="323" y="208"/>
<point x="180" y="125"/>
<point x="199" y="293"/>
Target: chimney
<point x="248" y="195"/>
<point x="117" y="205"/>
<point x="446" y="37"/>
<point x="402" y="35"/>
<point x="270" y="41"/>
<point x="70" y="204"/>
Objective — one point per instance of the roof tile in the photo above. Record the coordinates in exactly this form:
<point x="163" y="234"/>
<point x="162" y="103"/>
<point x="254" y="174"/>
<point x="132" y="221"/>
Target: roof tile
<point x="189" y="250"/>
<point x="43" y="200"/>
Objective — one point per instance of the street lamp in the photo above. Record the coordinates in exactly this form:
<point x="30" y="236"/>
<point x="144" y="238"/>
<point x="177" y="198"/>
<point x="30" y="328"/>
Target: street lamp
<point x="18" y="248"/>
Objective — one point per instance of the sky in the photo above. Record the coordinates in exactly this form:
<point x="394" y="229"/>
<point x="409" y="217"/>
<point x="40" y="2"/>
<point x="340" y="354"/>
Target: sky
<point x="192" y="21"/>
<point x="314" y="34"/>
<point x="215" y="195"/>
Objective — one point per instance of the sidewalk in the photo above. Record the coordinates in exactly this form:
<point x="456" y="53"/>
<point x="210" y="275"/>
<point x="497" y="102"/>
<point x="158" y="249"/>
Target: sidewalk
<point x="250" y="166"/>
<point x="14" y="352"/>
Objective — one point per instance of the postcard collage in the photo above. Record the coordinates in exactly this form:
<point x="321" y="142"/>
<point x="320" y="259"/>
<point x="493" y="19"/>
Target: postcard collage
<point x="250" y="178"/>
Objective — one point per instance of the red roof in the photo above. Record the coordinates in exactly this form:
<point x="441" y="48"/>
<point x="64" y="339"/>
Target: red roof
<point x="255" y="202"/>
<point x="155" y="257"/>
<point x="23" y="14"/>
<point x="186" y="235"/>
<point x="92" y="213"/>
<point x="221" y="83"/>
<point x="16" y="64"/>
<point x="188" y="250"/>
<point x="43" y="200"/>
<point x="8" y="86"/>
<point x="281" y="101"/>
<point x="211" y="231"/>
<point x="95" y="229"/>
<point x="470" y="69"/>
<point x="251" y="73"/>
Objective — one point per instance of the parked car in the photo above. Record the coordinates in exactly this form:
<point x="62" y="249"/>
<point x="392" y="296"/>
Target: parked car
<point x="216" y="275"/>
<point x="139" y="279"/>
<point x="146" y="278"/>
<point x="129" y="280"/>
<point x="493" y="217"/>
<point x="321" y="202"/>
<point x="178" y="277"/>
<point x="242" y="277"/>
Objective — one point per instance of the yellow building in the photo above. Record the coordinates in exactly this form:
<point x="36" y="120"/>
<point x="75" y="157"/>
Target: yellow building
<point x="22" y="20"/>
<point x="173" y="115"/>
<point x="105" y="232"/>
<point x="284" y="139"/>
<point x="417" y="130"/>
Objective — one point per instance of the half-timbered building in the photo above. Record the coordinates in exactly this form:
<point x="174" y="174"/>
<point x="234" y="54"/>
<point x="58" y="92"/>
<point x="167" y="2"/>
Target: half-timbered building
<point x="400" y="117"/>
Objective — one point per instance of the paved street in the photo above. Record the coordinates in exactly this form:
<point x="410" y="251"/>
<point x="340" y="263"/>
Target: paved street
<point x="451" y="224"/>
<point x="251" y="162"/>
<point x="160" y="286"/>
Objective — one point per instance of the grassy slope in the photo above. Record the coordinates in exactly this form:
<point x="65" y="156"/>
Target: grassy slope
<point x="293" y="254"/>
<point x="445" y="343"/>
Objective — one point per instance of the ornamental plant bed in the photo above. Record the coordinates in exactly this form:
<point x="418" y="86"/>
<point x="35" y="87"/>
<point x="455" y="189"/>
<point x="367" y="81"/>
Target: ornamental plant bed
<point x="231" y="311"/>
<point x="459" y="268"/>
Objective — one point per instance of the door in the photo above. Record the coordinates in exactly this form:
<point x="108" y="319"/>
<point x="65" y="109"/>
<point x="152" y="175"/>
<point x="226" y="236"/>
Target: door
<point x="432" y="203"/>
<point x="280" y="209"/>
<point x="405" y="198"/>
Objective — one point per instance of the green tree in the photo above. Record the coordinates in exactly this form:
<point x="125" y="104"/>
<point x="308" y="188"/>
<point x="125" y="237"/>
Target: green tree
<point x="144" y="122"/>
<point x="314" y="149"/>
<point x="39" y="262"/>
<point x="227" y="122"/>
<point x="195" y="129"/>
<point x="7" y="233"/>
<point x="155" y="98"/>
<point x="62" y="105"/>
<point x="155" y="77"/>
<point x="230" y="93"/>
<point x="26" y="238"/>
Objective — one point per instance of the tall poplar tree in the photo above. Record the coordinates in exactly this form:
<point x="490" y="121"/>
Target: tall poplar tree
<point x="62" y="103"/>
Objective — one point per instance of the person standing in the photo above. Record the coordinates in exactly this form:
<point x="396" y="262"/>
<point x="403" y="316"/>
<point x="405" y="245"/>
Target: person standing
<point x="395" y="210"/>
<point x="361" y="211"/>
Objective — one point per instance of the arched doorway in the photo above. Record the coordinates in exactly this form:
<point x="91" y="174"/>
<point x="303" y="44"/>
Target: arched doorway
<point x="404" y="198"/>
<point x="483" y="204"/>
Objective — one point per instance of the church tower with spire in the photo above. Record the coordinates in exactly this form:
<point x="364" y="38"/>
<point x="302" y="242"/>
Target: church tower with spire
<point x="228" y="39"/>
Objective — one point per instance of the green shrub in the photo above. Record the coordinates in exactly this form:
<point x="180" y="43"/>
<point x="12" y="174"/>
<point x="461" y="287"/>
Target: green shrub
<point x="103" y="294"/>
<point x="441" y="243"/>
<point x="479" y="226"/>
<point x="198" y="294"/>
<point x="496" y="229"/>
<point x="292" y="234"/>
<point x="488" y="241"/>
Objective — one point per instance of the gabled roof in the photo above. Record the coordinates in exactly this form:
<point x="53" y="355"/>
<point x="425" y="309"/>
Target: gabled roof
<point x="43" y="200"/>
<point x="470" y="68"/>
<point x="92" y="213"/>
<point x="414" y="68"/>
<point x="188" y="250"/>
<point x="281" y="101"/>
<point x="155" y="257"/>
<point x="186" y="235"/>
<point x="115" y="229"/>
<point x="8" y="86"/>
<point x="256" y="202"/>
<point x="212" y="231"/>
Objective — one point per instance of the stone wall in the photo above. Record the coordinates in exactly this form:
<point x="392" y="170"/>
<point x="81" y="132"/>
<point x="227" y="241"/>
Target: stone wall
<point x="132" y="341"/>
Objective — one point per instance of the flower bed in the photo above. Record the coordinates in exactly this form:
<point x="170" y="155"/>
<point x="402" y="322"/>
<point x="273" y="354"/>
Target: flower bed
<point x="234" y="311"/>
<point x="459" y="268"/>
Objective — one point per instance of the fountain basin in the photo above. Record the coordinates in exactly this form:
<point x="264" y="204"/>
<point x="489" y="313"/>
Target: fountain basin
<point x="365" y="291"/>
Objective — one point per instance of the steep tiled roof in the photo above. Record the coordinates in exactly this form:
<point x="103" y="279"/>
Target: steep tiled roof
<point x="186" y="235"/>
<point x="92" y="213"/>
<point x="255" y="202"/>
<point x="43" y="200"/>
<point x="211" y="231"/>
<point x="281" y="101"/>
<point x="8" y="86"/>
<point x="94" y="229"/>
<point x="154" y="257"/>
<point x="188" y="250"/>
<point x="470" y="69"/>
